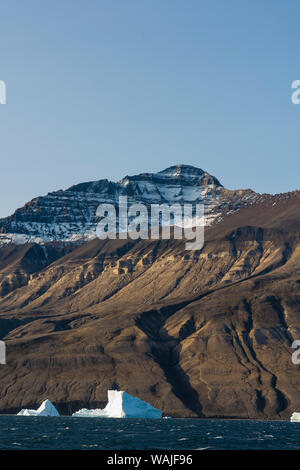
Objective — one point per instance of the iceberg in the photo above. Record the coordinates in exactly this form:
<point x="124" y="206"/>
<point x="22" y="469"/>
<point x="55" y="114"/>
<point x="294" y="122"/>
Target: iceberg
<point x="121" y="405"/>
<point x="295" y="418"/>
<point x="46" y="409"/>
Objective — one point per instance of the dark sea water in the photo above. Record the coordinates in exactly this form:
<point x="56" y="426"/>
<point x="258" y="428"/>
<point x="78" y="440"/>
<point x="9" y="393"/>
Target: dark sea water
<point x="17" y="432"/>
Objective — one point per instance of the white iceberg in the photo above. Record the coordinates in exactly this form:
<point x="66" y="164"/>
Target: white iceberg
<point x="121" y="405"/>
<point x="46" y="409"/>
<point x="295" y="418"/>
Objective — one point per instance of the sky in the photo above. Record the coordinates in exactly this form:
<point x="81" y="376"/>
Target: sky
<point x="107" y="88"/>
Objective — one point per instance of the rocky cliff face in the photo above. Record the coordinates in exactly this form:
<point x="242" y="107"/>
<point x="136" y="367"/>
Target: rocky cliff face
<point x="202" y="334"/>
<point x="71" y="215"/>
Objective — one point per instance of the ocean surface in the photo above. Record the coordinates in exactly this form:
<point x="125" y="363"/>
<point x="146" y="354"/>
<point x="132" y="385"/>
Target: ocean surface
<point x="17" y="432"/>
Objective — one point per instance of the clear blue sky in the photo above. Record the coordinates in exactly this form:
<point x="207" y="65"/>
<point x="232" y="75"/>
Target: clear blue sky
<point x="104" y="88"/>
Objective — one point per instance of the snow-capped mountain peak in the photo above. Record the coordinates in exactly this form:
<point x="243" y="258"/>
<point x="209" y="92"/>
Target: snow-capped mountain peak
<point x="70" y="215"/>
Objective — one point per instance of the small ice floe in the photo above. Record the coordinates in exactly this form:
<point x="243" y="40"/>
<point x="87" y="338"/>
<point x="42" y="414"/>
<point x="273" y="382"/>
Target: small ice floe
<point x="295" y="418"/>
<point x="121" y="405"/>
<point x="46" y="409"/>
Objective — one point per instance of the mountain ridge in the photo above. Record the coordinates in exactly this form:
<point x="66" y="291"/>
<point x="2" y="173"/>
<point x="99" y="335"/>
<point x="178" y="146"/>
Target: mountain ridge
<point x="204" y="333"/>
<point x="199" y="334"/>
<point x="70" y="215"/>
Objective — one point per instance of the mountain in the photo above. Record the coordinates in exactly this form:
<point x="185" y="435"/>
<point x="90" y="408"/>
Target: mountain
<point x="71" y="215"/>
<point x="200" y="334"/>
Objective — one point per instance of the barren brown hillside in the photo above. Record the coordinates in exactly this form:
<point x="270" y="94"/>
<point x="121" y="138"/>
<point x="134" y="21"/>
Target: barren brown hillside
<point x="204" y="334"/>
